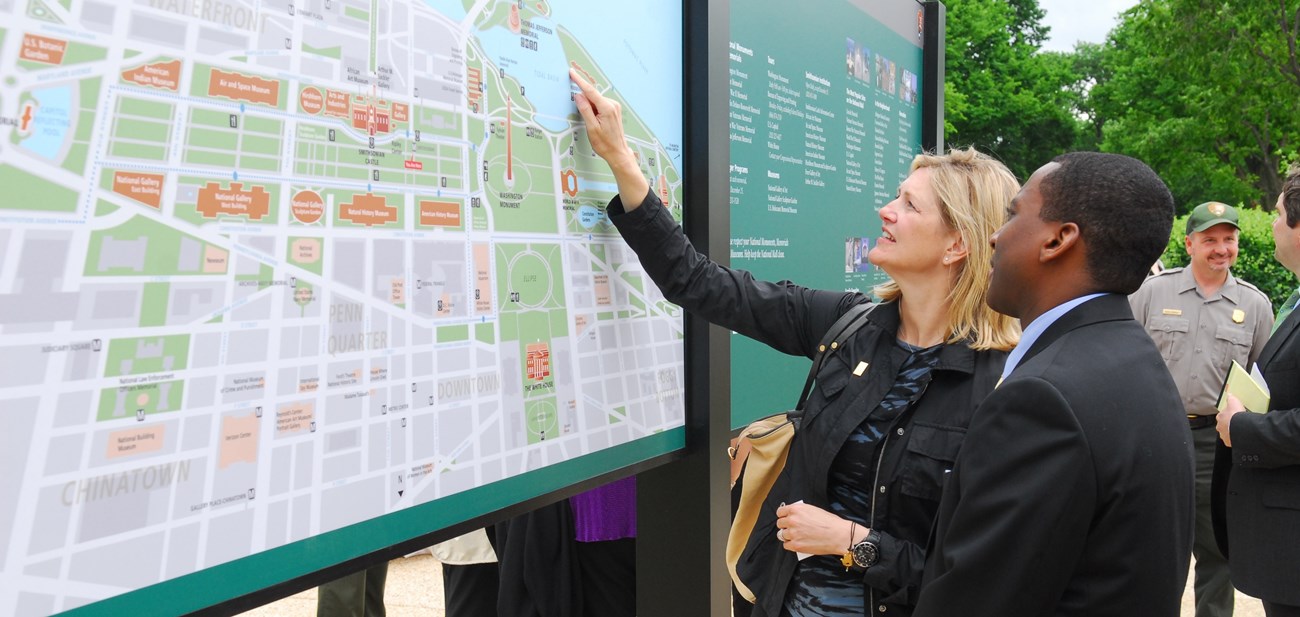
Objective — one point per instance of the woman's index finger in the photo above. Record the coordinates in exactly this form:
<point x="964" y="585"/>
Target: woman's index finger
<point x="587" y="89"/>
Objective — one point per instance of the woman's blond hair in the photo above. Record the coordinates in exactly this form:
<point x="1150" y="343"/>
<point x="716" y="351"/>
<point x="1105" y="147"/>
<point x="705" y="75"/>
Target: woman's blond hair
<point x="974" y="192"/>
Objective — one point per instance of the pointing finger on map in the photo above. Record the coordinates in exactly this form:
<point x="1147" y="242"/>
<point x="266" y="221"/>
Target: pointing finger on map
<point x="604" y="119"/>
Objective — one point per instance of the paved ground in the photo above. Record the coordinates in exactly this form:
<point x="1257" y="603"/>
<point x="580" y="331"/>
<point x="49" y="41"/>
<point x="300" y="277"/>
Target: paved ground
<point x="414" y="589"/>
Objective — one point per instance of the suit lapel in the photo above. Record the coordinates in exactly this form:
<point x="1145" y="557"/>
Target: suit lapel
<point x="1110" y="307"/>
<point x="1280" y="337"/>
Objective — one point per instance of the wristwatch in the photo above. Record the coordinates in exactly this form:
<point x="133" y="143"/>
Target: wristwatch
<point x="864" y="554"/>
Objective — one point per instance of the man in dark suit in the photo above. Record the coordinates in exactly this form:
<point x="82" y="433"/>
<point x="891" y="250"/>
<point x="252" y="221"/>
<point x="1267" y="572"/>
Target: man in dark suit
<point x="1262" y="514"/>
<point x="1073" y="491"/>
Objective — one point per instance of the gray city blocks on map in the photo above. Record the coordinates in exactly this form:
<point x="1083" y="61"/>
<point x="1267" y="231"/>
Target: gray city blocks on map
<point x="350" y="263"/>
<point x="454" y="430"/>
<point x="190" y="302"/>
<point x="277" y="524"/>
<point x="439" y="270"/>
<point x="352" y="503"/>
<point x="281" y="469"/>
<point x="38" y="299"/>
<point x="198" y="430"/>
<point x="63" y="453"/>
<point x="182" y="549"/>
<point x="246" y="346"/>
<point x="440" y="66"/>
<point x="290" y="340"/>
<point x="97" y="16"/>
<point x="253" y="303"/>
<point x="229" y="537"/>
<point x="73" y="409"/>
<point x="200" y="392"/>
<point x="389" y="269"/>
<point x="303" y="467"/>
<point x="52" y="534"/>
<point x="342" y="440"/>
<point x="129" y="253"/>
<point x="424" y="443"/>
<point x="15" y="440"/>
<point x="160" y="30"/>
<point x="374" y="445"/>
<point x="131" y="563"/>
<point x="190" y="257"/>
<point x="22" y="365"/>
<point x="214" y="42"/>
<point x="340" y="466"/>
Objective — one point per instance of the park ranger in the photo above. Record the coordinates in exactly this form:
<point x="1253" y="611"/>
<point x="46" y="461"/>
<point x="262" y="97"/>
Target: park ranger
<point x="1203" y="318"/>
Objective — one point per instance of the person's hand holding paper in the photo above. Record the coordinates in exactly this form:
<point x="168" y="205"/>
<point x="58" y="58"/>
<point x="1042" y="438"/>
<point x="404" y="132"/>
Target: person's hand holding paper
<point x="1247" y="387"/>
<point x="1242" y="391"/>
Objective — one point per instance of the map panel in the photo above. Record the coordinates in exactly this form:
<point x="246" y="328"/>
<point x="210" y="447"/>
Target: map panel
<point x="273" y="268"/>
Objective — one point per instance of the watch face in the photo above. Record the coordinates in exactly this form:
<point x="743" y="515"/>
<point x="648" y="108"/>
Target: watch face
<point x="865" y="554"/>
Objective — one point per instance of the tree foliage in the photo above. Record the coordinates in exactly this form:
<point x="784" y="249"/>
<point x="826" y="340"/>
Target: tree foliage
<point x="1207" y="92"/>
<point x="1002" y="94"/>
<point x="1204" y="91"/>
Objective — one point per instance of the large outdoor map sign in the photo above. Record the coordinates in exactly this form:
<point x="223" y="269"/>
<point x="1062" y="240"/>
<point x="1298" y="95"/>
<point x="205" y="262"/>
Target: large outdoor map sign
<point x="283" y="282"/>
<point x="825" y="117"/>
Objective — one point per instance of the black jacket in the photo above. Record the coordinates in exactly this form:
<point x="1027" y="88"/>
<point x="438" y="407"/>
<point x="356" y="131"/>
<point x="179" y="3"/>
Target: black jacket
<point x="919" y="447"/>
<point x="1257" y="505"/>
<point x="1074" y="494"/>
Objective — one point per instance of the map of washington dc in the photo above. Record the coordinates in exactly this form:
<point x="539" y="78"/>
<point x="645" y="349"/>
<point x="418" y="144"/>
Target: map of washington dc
<point x="272" y="267"/>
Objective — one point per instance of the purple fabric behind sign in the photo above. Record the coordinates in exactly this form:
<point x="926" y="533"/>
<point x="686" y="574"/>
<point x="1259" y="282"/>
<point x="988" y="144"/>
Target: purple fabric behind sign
<point x="605" y="513"/>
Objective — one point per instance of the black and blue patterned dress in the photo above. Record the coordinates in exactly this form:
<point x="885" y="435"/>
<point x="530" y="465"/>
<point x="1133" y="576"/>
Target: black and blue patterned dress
<point x="821" y="586"/>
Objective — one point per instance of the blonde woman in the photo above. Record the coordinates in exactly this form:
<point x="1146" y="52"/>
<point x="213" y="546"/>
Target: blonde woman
<point x="887" y="417"/>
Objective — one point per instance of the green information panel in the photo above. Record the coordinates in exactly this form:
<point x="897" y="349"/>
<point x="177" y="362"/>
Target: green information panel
<point x="825" y="117"/>
<point x="287" y="282"/>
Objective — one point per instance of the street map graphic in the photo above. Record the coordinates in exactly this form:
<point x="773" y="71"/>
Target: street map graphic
<point x="269" y="268"/>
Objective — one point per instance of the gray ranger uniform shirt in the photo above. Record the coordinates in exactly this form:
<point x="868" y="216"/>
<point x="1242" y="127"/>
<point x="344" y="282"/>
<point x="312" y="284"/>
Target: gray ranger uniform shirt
<point x="1200" y="337"/>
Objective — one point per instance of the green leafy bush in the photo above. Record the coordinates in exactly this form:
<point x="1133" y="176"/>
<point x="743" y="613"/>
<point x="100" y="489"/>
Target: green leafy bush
<point x="1255" y="262"/>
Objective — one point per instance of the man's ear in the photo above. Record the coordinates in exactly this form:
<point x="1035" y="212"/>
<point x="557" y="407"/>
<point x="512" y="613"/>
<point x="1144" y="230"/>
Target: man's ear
<point x="1061" y="242"/>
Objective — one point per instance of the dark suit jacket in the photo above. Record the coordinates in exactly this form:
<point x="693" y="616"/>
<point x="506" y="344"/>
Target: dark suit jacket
<point x="1261" y="508"/>
<point x="1072" y="494"/>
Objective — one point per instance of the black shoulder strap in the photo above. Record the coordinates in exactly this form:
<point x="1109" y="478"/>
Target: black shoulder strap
<point x="840" y="331"/>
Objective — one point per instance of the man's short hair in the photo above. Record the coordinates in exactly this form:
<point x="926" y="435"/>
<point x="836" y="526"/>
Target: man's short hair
<point x="1123" y="209"/>
<point x="1291" y="196"/>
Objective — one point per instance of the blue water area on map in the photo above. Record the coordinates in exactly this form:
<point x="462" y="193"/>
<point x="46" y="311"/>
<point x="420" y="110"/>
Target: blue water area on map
<point x="590" y="216"/>
<point x="543" y="72"/>
<point x="645" y="69"/>
<point x="452" y="9"/>
<point x="51" y="122"/>
<point x="608" y="187"/>
<point x="639" y="47"/>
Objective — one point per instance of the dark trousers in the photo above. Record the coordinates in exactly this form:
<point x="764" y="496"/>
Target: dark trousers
<point x="360" y="594"/>
<point x="1280" y="610"/>
<point x="608" y="571"/>
<point x="1212" y="584"/>
<point x="470" y="590"/>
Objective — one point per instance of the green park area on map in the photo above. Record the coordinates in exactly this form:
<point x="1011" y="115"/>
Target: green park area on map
<point x="147" y="354"/>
